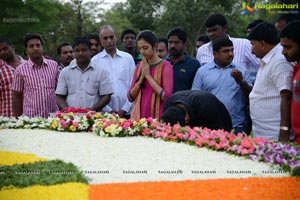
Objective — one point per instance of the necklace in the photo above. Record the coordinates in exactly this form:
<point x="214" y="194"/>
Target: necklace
<point x="154" y="64"/>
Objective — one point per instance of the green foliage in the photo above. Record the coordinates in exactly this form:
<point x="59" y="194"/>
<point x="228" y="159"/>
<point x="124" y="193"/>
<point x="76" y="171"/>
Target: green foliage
<point x="55" y="21"/>
<point x="40" y="173"/>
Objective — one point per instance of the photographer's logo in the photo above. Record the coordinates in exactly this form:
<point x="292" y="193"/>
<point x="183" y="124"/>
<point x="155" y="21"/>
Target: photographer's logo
<point x="272" y="8"/>
<point x="246" y="8"/>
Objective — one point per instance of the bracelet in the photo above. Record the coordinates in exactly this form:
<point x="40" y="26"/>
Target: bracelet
<point x="284" y="128"/>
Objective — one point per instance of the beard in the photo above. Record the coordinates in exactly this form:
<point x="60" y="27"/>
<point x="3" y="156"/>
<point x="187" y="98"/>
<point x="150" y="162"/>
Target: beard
<point x="7" y="57"/>
<point x="174" y="53"/>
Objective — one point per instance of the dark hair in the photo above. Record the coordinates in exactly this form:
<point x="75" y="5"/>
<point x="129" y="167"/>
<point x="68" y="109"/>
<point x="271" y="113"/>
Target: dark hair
<point x="61" y="46"/>
<point x="148" y="36"/>
<point x="93" y="36"/>
<point x="203" y="38"/>
<point x="285" y="17"/>
<point x="264" y="32"/>
<point x="179" y="32"/>
<point x="221" y="42"/>
<point x="5" y="40"/>
<point x="173" y="115"/>
<point x="254" y="23"/>
<point x="82" y="40"/>
<point x="127" y="31"/>
<point x="216" y="19"/>
<point x="30" y="36"/>
<point x="164" y="40"/>
<point x="291" y="31"/>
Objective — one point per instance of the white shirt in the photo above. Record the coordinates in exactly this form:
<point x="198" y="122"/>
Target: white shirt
<point x="121" y="68"/>
<point x="242" y="55"/>
<point x="274" y="75"/>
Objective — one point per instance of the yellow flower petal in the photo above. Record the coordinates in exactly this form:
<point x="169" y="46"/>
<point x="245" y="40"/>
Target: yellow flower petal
<point x="66" y="191"/>
<point x="12" y="158"/>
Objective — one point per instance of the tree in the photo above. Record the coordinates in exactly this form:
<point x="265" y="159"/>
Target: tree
<point x="57" y="22"/>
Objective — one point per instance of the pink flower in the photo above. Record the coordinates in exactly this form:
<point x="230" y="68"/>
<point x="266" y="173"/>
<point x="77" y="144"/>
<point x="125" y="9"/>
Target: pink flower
<point x="219" y="146"/>
<point x="231" y="137"/>
<point x="63" y="123"/>
<point x="126" y="124"/>
<point x="179" y="136"/>
<point x="199" y="142"/>
<point x="176" y="128"/>
<point x="246" y="143"/>
<point x="75" y="124"/>
<point x="211" y="143"/>
<point x="149" y="120"/>
<point x="59" y="114"/>
<point x="146" y="132"/>
<point x="186" y="136"/>
<point x="259" y="141"/>
<point x="234" y="148"/>
<point x="245" y="151"/>
<point x="193" y="136"/>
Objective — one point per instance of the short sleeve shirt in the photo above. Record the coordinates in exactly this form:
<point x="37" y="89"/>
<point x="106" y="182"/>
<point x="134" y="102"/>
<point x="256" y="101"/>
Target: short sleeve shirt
<point x="83" y="88"/>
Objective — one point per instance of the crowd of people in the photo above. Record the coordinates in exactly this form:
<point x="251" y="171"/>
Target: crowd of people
<point x="240" y="84"/>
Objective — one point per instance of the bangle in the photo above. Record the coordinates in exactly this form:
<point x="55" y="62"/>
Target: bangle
<point x="284" y="128"/>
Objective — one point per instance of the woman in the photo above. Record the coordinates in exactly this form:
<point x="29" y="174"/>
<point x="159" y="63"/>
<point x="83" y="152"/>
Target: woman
<point x="152" y="81"/>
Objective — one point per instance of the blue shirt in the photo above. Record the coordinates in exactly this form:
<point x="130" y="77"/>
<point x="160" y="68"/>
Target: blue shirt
<point x="218" y="81"/>
<point x="184" y="73"/>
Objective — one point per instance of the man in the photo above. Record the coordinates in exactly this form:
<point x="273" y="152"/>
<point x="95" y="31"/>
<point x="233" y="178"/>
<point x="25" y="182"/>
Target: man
<point x="9" y="61"/>
<point x="252" y="24"/>
<point x="120" y="66"/>
<point x="196" y="108"/>
<point x="128" y="39"/>
<point x="65" y="54"/>
<point x="184" y="66"/>
<point x="229" y="82"/>
<point x="95" y="44"/>
<point x="162" y="48"/>
<point x="201" y="40"/>
<point x="83" y="85"/>
<point x="35" y="81"/>
<point x="271" y="94"/>
<point x="290" y="40"/>
<point x="216" y="26"/>
<point x="284" y="19"/>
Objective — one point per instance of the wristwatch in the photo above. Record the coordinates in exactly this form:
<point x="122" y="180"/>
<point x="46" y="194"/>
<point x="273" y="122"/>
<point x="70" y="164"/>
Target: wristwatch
<point x="284" y="128"/>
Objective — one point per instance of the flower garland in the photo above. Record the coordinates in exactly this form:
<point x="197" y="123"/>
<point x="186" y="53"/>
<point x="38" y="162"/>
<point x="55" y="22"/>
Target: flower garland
<point x="111" y="125"/>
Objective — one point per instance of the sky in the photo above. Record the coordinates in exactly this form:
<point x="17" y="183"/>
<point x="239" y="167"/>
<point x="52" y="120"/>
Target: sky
<point x="111" y="2"/>
<point x="108" y="3"/>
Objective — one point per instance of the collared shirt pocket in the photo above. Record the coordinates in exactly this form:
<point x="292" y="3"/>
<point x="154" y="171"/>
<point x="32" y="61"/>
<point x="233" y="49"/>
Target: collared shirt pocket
<point x="92" y="88"/>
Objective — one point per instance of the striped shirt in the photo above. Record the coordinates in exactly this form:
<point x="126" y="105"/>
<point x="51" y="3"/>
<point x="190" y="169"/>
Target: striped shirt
<point x="38" y="87"/>
<point x="274" y="75"/>
<point x="242" y="55"/>
<point x="6" y="79"/>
